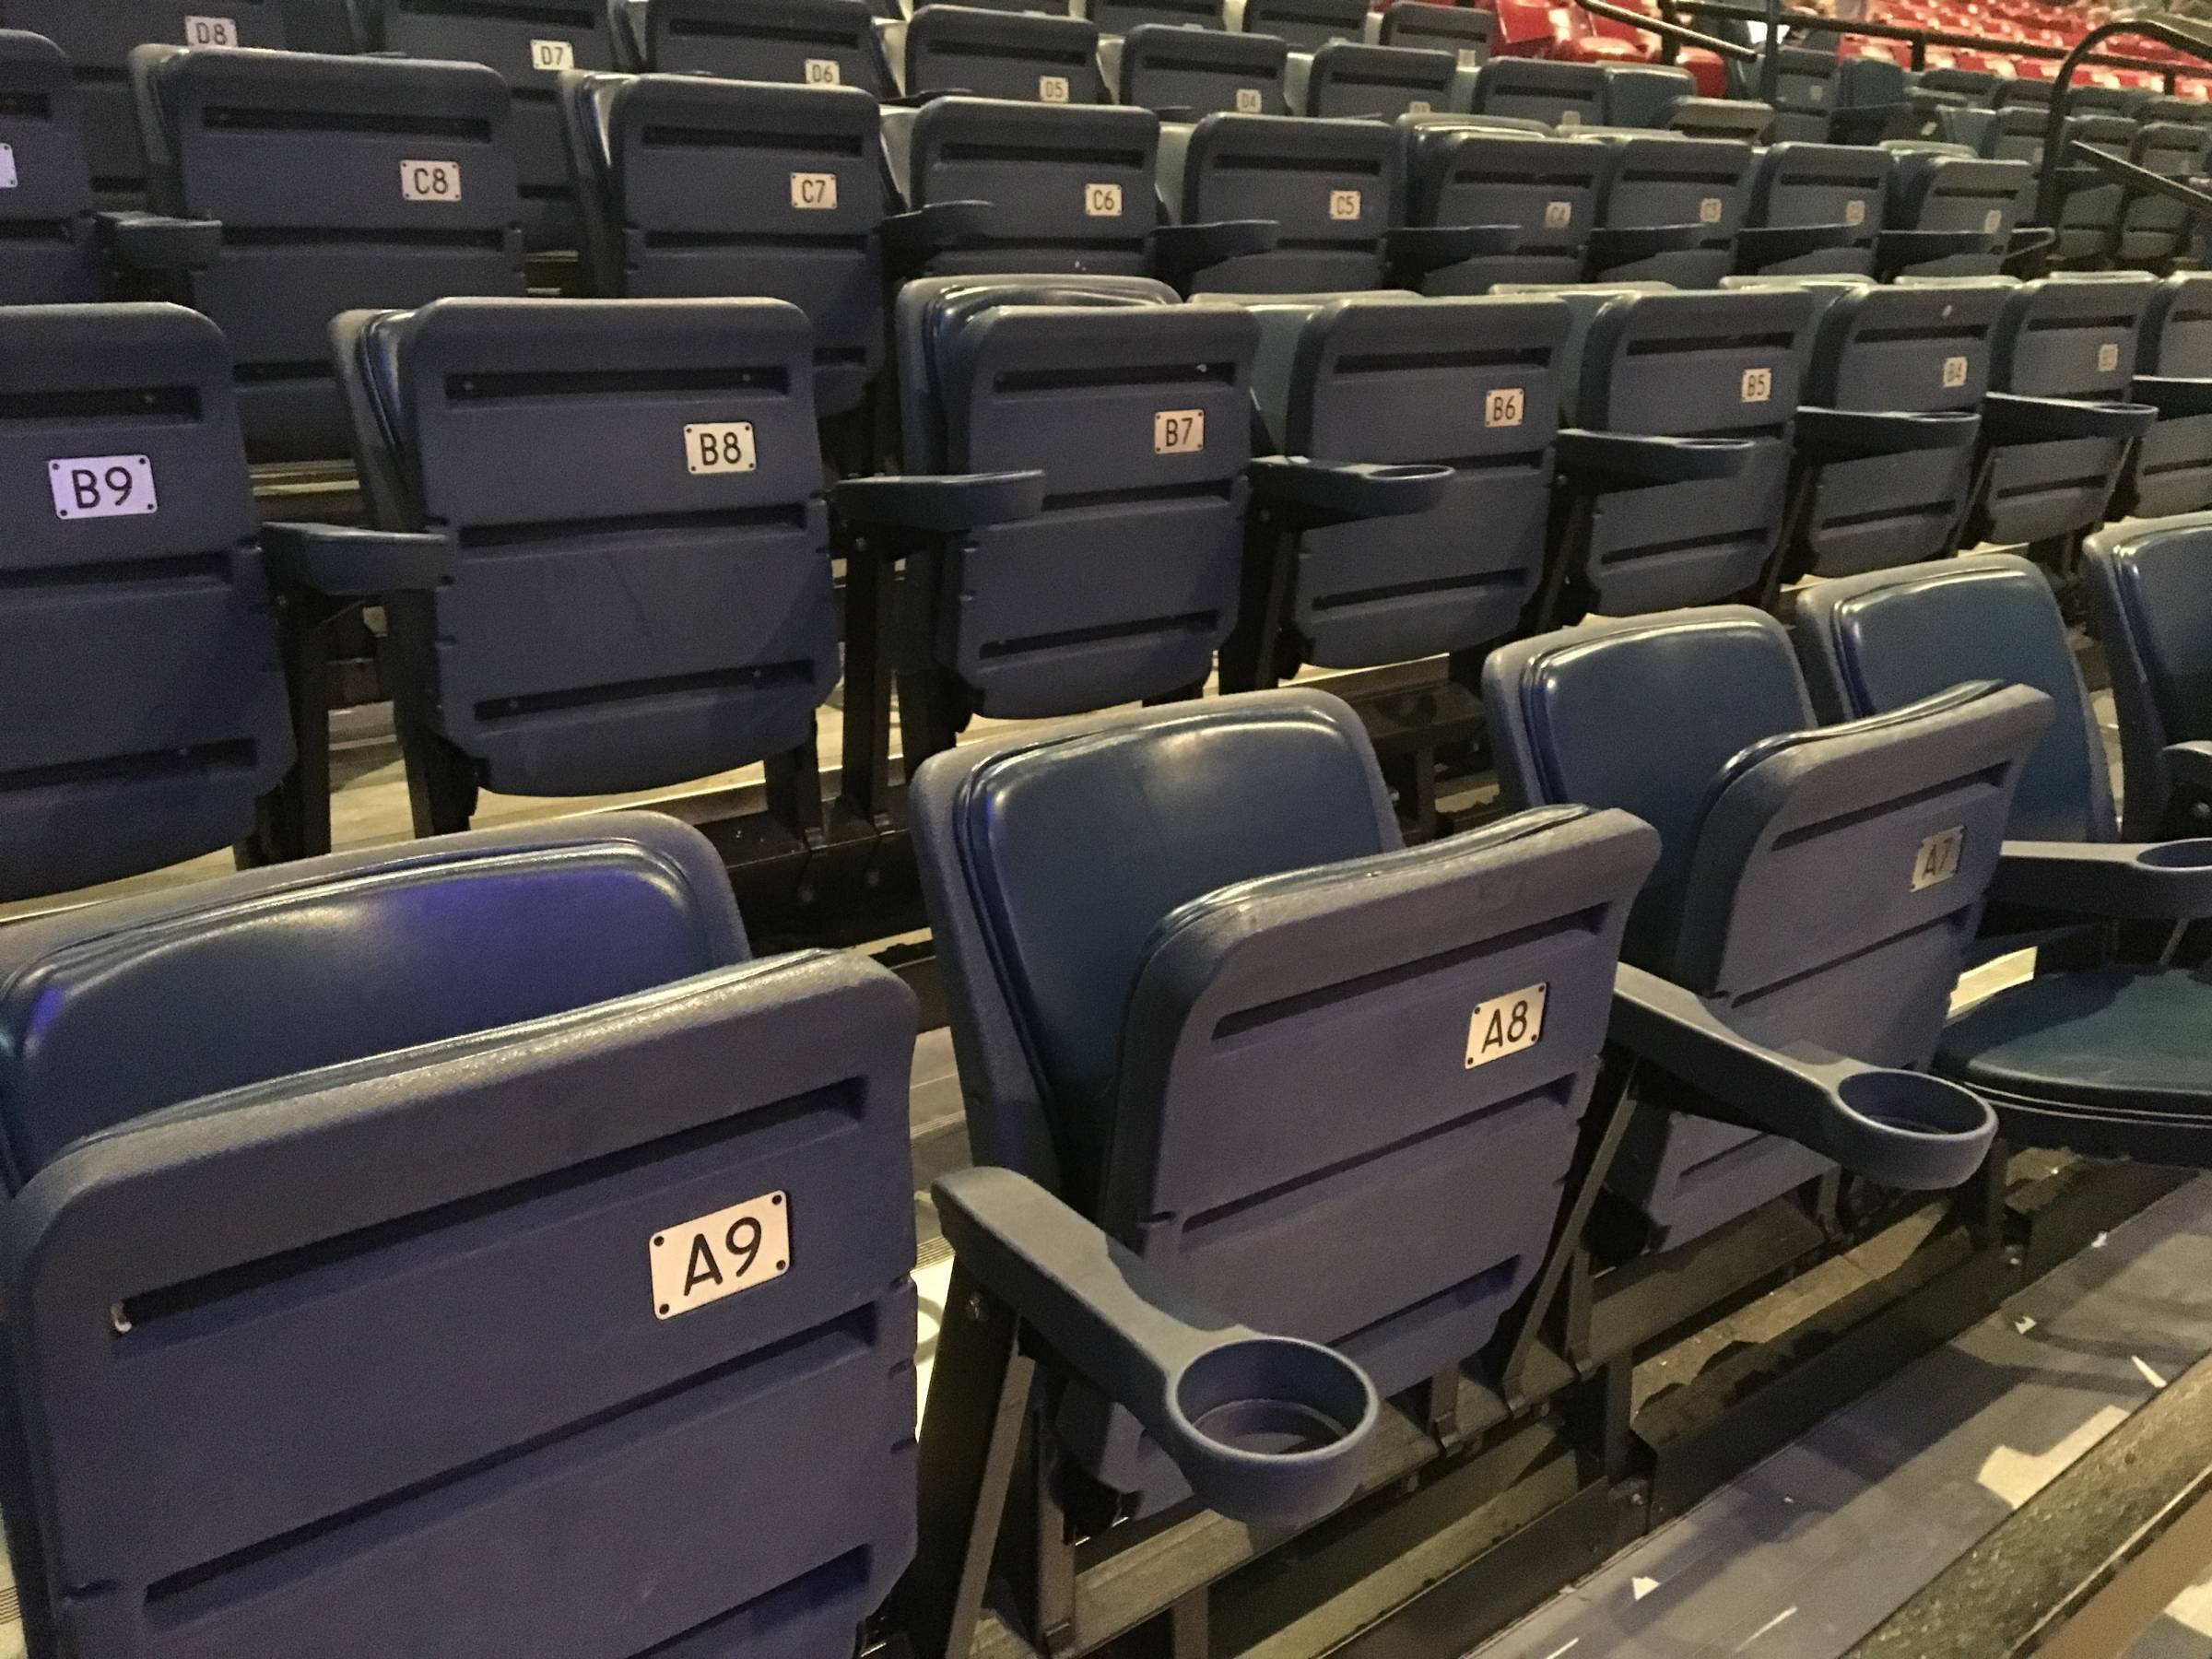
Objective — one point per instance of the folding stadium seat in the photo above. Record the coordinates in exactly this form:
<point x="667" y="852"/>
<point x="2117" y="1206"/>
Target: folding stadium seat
<point x="138" y="654"/>
<point x="50" y="252"/>
<point x="1659" y="514"/>
<point x="1388" y="380"/>
<point x="1477" y="172"/>
<point x="414" y="198"/>
<point x="814" y="42"/>
<point x="992" y="53"/>
<point x="1089" y="989"/>
<point x="1187" y="73"/>
<point x="1308" y="25"/>
<point x="532" y="44"/>
<point x="1459" y="30"/>
<point x="1331" y="187"/>
<point x="1560" y="94"/>
<point x="2152" y="229"/>
<point x="1347" y="78"/>
<point x="1815" y="891"/>
<point x="2108" y="1059"/>
<point x="513" y="1120"/>
<point x="1662" y="96"/>
<point x="1950" y="212"/>
<point x="1884" y="440"/>
<point x="2088" y="219"/>
<point x="1814" y="208"/>
<point x="98" y="39"/>
<point x="1873" y="100"/>
<point x="693" y="187"/>
<point x="2147" y="602"/>
<point x="1669" y="208"/>
<point x="2170" y="469"/>
<point x="1122" y="418"/>
<point x="1118" y="18"/>
<point x="1804" y="92"/>
<point x="2058" y="419"/>
<point x="601" y="552"/>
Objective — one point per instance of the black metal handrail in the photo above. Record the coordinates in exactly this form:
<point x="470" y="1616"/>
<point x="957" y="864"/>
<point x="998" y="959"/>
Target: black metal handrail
<point x="2142" y="180"/>
<point x="2055" y="124"/>
<point x="1919" y="39"/>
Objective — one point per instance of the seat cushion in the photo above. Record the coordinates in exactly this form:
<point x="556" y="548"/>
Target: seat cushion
<point x="2119" y="1039"/>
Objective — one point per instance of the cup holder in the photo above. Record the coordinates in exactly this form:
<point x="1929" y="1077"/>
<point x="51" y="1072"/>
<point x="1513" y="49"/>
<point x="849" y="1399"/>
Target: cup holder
<point x="1274" y="1430"/>
<point x="2177" y="855"/>
<point x="1907" y="1129"/>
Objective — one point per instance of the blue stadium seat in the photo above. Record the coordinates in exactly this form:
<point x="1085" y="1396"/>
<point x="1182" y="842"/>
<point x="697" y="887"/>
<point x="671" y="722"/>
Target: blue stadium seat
<point x="49" y="252"/>
<point x="1817" y="887"/>
<point x="693" y="187"/>
<point x="1950" y="212"/>
<point x="1463" y="30"/>
<point x="1215" y="1030"/>
<point x="1670" y="208"/>
<point x="1187" y="73"/>
<point x="1560" y="94"/>
<point x="809" y="42"/>
<point x="1479" y="171"/>
<point x="2169" y="470"/>
<point x="1350" y="77"/>
<point x="1330" y="187"/>
<point x="1119" y="18"/>
<point x="490" y="1207"/>
<point x="2108" y="1059"/>
<point x="1676" y="461"/>
<point x="2088" y="213"/>
<point x="532" y="45"/>
<point x="2151" y="608"/>
<point x="1804" y="92"/>
<point x="991" y="53"/>
<point x="415" y="199"/>
<point x="138" y="654"/>
<point x="603" y="552"/>
<point x="2153" y="229"/>
<point x="1308" y="25"/>
<point x="1814" y="209"/>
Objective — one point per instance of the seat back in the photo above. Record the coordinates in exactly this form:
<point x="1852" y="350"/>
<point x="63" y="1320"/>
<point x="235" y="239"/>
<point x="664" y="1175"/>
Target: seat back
<point x="1126" y="16"/>
<point x="2171" y="470"/>
<point x="2071" y="337"/>
<point x="1940" y="188"/>
<point x="2151" y="227"/>
<point x="1907" y="350"/>
<point x="1683" y="365"/>
<point x="415" y="199"/>
<point x="1804" y="92"/>
<point x="1332" y="186"/>
<point x="809" y="42"/>
<point x="532" y="44"/>
<point x="1471" y="384"/>
<point x="1816" y="885"/>
<point x="1262" y="1021"/>
<point x="97" y="40"/>
<point x="1460" y="29"/>
<point x="1463" y="174"/>
<point x="1796" y="183"/>
<point x="692" y="187"/>
<point x="1071" y="189"/>
<point x="641" y="594"/>
<point x="1136" y="409"/>
<point x="991" y="53"/>
<point x="1350" y="78"/>
<point x="1644" y="95"/>
<point x="1878" y="643"/>
<point x="2152" y="609"/>
<point x="467" y="1114"/>
<point x="1669" y="181"/>
<point x="52" y="255"/>
<point x="1308" y="25"/>
<point x="1561" y="95"/>
<point x="1202" y="72"/>
<point x="138" y="655"/>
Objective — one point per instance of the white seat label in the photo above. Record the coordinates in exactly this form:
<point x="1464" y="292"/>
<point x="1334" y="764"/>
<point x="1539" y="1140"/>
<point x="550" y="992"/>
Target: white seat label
<point x="824" y="72"/>
<point x="1344" y="203"/>
<point x="1418" y="106"/>
<point x="88" y="486"/>
<point x="2107" y="358"/>
<point x="1954" y="372"/>
<point x="1570" y="118"/>
<point x="814" y="193"/>
<point x="1178" y="431"/>
<point x="1505" y="1025"/>
<point x="1759" y="384"/>
<point x="8" y="167"/>
<point x="741" y="1248"/>
<point x="210" y="31"/>
<point x="1992" y="220"/>
<point x="1504" y="407"/>
<point x="1102" y="201"/>
<point x="1708" y="211"/>
<point x="429" y="181"/>
<point x="1557" y="215"/>
<point x="1051" y="88"/>
<point x="1937" y="859"/>
<point x="552" y="56"/>
<point x="725" y="446"/>
<point x="1855" y="211"/>
<point x="1250" y="101"/>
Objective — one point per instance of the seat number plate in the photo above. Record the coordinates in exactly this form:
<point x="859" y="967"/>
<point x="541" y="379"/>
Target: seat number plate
<point x="726" y="446"/>
<point x="824" y="72"/>
<point x="552" y="56"/>
<point x="8" y="167"/>
<point x="210" y="31"/>
<point x="88" y="487"/>
<point x="1505" y="1025"/>
<point x="814" y="193"/>
<point x="1709" y="210"/>
<point x="1102" y="201"/>
<point x="1954" y="372"/>
<point x="1051" y="88"/>
<point x="2107" y="358"/>
<point x="429" y="181"/>
<point x="1344" y="203"/>
<point x="1557" y="215"/>
<point x="1937" y="859"/>
<point x="741" y="1248"/>
<point x="1504" y="407"/>
<point x="1250" y="101"/>
<point x="1855" y="211"/>
<point x="1992" y="220"/>
<point x="1759" y="384"/>
<point x="1178" y="431"/>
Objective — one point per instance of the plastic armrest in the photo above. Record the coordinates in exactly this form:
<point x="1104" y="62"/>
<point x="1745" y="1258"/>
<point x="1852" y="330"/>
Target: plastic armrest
<point x="939" y="503"/>
<point x="1181" y="251"/>
<point x="1617" y="244"/>
<point x="1844" y="433"/>
<point x="2171" y="395"/>
<point x="1765" y="244"/>
<point x="345" y="561"/>
<point x="1218" y="1398"/>
<point x="2143" y="881"/>
<point x="153" y="242"/>
<point x="1418" y="250"/>
<point x="910" y="239"/>
<point x="1628" y="458"/>
<point x="1899" y="1128"/>
<point x="2008" y="417"/>
<point x="1319" y="493"/>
